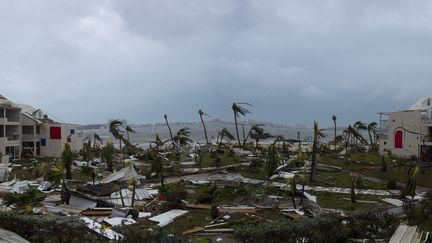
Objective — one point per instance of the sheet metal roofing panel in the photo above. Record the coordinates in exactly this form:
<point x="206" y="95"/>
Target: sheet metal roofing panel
<point x="406" y="234"/>
<point x="168" y="217"/>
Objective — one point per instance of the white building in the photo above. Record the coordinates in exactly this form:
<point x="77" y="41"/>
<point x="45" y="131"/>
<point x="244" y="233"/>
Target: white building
<point x="10" y="132"/>
<point x="408" y="133"/>
<point x="30" y="132"/>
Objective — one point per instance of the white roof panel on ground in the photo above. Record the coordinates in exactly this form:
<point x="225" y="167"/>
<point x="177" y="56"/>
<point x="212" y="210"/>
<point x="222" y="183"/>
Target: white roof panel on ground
<point x="168" y="217"/>
<point x="406" y="234"/>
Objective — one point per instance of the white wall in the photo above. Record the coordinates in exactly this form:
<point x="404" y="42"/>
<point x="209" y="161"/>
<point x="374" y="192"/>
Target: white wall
<point x="409" y="123"/>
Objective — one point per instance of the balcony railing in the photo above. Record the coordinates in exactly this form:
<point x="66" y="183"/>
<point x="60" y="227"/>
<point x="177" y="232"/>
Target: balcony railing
<point x="13" y="119"/>
<point x="12" y="137"/>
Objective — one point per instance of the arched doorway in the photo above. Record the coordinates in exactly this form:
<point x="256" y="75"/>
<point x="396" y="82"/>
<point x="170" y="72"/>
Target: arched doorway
<point x="398" y="139"/>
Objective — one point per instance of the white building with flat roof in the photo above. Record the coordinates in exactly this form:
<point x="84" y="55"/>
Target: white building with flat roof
<point x="408" y="133"/>
<point x="25" y="131"/>
<point x="10" y="132"/>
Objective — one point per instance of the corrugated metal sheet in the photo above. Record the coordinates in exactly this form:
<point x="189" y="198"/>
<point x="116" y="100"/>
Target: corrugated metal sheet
<point x="168" y="217"/>
<point x="406" y="234"/>
<point x="121" y="175"/>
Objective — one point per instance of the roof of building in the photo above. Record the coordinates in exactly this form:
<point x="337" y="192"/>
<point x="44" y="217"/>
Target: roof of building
<point x="425" y="103"/>
<point x="6" y="102"/>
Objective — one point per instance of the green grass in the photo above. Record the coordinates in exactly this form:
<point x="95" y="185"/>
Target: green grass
<point x="344" y="179"/>
<point x="370" y="164"/>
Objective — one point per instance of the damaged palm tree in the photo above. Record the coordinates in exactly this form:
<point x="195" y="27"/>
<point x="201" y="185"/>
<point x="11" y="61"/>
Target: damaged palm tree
<point x="67" y="158"/>
<point x="272" y="160"/>
<point x="182" y="136"/>
<point x="128" y="131"/>
<point x="258" y="134"/>
<point x="318" y="134"/>
<point x="87" y="152"/>
<point x="225" y="133"/>
<point x="201" y="114"/>
<point x="115" y="129"/>
<point x="96" y="139"/>
<point x="169" y="128"/>
<point x="238" y="110"/>
<point x="107" y="155"/>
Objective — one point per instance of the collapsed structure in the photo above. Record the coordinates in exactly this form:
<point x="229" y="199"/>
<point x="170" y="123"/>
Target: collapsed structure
<point x="25" y="130"/>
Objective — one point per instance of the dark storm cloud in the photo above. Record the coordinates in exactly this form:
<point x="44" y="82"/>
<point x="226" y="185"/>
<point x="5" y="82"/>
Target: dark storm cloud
<point x="296" y="61"/>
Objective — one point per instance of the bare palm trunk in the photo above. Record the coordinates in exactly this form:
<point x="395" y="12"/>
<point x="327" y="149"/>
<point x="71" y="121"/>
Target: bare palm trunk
<point x="205" y="129"/>
<point x="334" y="134"/>
<point x="121" y="197"/>
<point x="244" y="134"/>
<point x="237" y="131"/>
<point x="133" y="195"/>
<point x="169" y="128"/>
<point x="371" y="142"/>
<point x="314" y="157"/>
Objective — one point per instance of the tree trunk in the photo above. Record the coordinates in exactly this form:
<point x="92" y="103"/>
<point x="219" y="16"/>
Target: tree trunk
<point x="121" y="198"/>
<point x="68" y="172"/>
<point x="244" y="134"/>
<point x="313" y="173"/>
<point x="371" y="142"/>
<point x="169" y="128"/>
<point x="205" y="129"/>
<point x="302" y="191"/>
<point x="133" y="195"/>
<point x="237" y="131"/>
<point x="334" y="135"/>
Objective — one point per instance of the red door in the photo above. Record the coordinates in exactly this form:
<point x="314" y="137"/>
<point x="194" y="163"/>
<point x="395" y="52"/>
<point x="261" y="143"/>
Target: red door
<point x="398" y="139"/>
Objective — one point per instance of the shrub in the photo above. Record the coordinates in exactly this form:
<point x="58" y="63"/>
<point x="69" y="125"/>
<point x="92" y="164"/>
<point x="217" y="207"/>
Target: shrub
<point x="391" y="185"/>
<point x="214" y="212"/>
<point x="37" y="228"/>
<point x="175" y="197"/>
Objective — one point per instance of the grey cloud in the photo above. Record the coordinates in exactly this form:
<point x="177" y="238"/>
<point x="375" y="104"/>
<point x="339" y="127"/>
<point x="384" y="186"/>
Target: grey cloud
<point x="296" y="61"/>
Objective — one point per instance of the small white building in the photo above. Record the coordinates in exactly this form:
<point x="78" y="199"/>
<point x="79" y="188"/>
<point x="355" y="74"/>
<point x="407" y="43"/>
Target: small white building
<point x="25" y="131"/>
<point x="408" y="133"/>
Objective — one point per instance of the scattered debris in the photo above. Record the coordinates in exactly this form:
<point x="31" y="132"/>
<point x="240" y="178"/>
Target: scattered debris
<point x="393" y="201"/>
<point x="97" y="227"/>
<point x="117" y="221"/>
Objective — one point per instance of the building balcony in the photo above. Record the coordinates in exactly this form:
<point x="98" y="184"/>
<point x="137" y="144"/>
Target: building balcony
<point x="30" y="137"/>
<point x="426" y="121"/>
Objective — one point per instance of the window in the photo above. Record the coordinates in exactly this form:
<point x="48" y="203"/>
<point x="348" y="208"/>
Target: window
<point x="27" y="129"/>
<point x="398" y="139"/>
<point x="43" y="142"/>
<point x="72" y="131"/>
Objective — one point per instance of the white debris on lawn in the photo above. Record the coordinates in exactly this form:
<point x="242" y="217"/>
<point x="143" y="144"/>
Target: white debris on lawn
<point x="117" y="221"/>
<point x="97" y="227"/>
<point x="310" y="197"/>
<point x="144" y="215"/>
<point x="393" y="201"/>
<point x="299" y="212"/>
<point x="168" y="217"/>
<point x="340" y="190"/>
<point x="199" y="182"/>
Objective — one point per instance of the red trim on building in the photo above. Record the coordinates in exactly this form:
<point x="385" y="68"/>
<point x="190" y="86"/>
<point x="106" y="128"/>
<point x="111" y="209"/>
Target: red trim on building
<point x="55" y="132"/>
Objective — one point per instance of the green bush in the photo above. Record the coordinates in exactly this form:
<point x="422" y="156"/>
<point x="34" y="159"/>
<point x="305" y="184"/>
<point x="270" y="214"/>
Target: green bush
<point x="323" y="229"/>
<point x="38" y="228"/>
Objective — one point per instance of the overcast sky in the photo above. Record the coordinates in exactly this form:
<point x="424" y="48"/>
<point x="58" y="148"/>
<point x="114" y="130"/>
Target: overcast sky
<point x="295" y="61"/>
